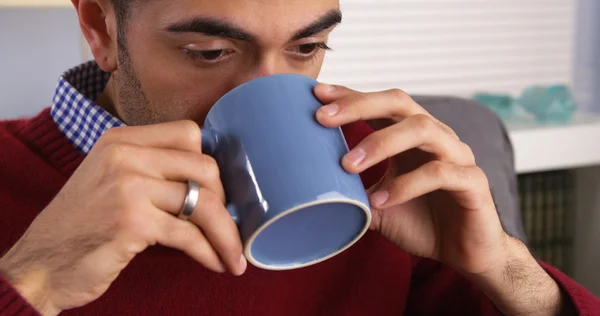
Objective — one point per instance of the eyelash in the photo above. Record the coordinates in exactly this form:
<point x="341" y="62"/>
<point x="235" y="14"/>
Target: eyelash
<point x="199" y="55"/>
<point x="313" y="54"/>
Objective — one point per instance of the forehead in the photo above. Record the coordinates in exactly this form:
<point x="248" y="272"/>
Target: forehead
<point x="272" y="19"/>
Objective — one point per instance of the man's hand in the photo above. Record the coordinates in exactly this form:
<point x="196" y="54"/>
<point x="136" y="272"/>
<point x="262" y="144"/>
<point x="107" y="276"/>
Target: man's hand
<point x="434" y="201"/>
<point x="120" y="201"/>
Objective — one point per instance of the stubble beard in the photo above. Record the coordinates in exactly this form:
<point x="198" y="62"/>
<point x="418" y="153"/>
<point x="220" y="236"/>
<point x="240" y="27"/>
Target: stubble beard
<point x="135" y="107"/>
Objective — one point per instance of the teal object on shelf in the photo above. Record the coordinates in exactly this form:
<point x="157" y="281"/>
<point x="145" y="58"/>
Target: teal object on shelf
<point x="549" y="104"/>
<point x="502" y="104"/>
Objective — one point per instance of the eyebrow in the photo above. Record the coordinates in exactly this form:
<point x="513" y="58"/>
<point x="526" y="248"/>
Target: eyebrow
<point x="210" y="27"/>
<point x="218" y="28"/>
<point x="328" y="20"/>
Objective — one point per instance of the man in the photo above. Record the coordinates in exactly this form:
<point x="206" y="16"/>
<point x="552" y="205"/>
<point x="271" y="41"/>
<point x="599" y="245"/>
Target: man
<point x="90" y="187"/>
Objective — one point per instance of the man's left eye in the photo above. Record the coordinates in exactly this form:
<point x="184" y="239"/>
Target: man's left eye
<point x="309" y="49"/>
<point x="209" y="56"/>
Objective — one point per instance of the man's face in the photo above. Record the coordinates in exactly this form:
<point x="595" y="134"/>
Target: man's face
<point x="183" y="55"/>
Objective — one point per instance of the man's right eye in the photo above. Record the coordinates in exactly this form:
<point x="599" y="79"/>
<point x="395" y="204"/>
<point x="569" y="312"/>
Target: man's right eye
<point x="209" y="56"/>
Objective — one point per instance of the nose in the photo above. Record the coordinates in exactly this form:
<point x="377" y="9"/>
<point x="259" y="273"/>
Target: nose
<point x="265" y="67"/>
<point x="261" y="70"/>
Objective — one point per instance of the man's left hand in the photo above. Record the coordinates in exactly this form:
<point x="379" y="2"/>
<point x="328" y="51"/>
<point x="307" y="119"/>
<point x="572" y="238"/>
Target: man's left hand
<point x="434" y="201"/>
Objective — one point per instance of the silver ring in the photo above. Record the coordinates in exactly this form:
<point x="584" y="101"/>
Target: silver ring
<point x="191" y="200"/>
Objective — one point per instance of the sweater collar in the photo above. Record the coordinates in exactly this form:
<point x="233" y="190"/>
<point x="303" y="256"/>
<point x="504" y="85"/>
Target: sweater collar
<point x="73" y="109"/>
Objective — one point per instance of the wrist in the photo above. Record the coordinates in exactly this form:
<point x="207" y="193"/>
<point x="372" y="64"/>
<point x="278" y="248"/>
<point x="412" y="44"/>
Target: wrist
<point x="31" y="286"/>
<point x="511" y="258"/>
<point x="518" y="285"/>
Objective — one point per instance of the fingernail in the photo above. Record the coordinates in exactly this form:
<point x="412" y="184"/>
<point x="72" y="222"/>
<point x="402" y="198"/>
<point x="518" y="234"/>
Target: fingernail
<point x="356" y="156"/>
<point x="331" y="109"/>
<point x="379" y="198"/>
<point x="329" y="88"/>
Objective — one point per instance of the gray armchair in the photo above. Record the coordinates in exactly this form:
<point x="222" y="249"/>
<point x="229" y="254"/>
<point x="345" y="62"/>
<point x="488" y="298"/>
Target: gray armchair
<point x="484" y="132"/>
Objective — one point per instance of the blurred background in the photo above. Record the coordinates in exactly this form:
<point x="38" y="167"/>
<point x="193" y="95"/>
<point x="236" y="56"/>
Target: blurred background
<point x="536" y="63"/>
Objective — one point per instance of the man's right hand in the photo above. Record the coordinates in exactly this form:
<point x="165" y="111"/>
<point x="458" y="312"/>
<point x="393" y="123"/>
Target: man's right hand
<point x="121" y="200"/>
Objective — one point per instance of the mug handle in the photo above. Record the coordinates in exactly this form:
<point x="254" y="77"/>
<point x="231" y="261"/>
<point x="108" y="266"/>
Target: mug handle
<point x="210" y="143"/>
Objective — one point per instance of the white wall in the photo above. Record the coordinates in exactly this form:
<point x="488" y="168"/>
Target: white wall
<point x="452" y="46"/>
<point x="36" y="46"/>
<point x="587" y="56"/>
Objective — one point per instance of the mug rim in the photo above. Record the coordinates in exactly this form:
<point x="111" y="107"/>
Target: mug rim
<point x="248" y="246"/>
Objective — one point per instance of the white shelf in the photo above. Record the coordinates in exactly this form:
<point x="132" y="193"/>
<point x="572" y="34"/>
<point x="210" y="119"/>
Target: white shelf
<point x="543" y="147"/>
<point x="35" y="3"/>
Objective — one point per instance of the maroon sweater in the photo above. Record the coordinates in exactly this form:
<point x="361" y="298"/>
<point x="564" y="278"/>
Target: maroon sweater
<point x="373" y="277"/>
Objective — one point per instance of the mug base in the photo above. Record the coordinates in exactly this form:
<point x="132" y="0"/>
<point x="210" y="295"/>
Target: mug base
<point x="308" y="234"/>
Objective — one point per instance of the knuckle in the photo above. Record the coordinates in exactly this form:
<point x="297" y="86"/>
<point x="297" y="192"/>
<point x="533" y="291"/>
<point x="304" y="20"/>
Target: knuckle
<point x="115" y="155"/>
<point x="399" y="94"/>
<point x="438" y="169"/>
<point x="480" y="177"/>
<point x="111" y="136"/>
<point x="423" y="124"/>
<point x="447" y="129"/>
<point x="191" y="132"/>
<point x="209" y="168"/>
<point x="211" y="202"/>
<point x="465" y="174"/>
<point x="469" y="153"/>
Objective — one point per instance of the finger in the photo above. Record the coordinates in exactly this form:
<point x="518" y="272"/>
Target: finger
<point x="142" y="225"/>
<point x="469" y="185"/>
<point x="220" y="229"/>
<point x="349" y="107"/>
<point x="181" y="135"/>
<point x="185" y="236"/>
<point x="168" y="164"/>
<point x="210" y="216"/>
<point x="344" y="105"/>
<point x="418" y="131"/>
<point x="327" y="93"/>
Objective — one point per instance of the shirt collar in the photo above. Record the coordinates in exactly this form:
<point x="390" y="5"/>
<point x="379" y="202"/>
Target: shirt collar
<point x="78" y="117"/>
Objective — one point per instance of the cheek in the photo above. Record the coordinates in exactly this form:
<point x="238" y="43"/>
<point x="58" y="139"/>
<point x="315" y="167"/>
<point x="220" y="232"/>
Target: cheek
<point x="185" y="98"/>
<point x="315" y="68"/>
<point x="175" y="88"/>
<point x="310" y="68"/>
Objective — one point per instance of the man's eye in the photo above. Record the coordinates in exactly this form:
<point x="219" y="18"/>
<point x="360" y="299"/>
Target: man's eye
<point x="307" y="50"/>
<point x="210" y="56"/>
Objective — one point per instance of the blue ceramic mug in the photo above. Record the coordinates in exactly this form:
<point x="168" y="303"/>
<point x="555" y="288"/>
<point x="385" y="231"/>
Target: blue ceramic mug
<point x="281" y="170"/>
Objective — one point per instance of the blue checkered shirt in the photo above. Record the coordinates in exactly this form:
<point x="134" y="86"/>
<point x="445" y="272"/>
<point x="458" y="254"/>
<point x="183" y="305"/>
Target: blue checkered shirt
<point x="73" y="109"/>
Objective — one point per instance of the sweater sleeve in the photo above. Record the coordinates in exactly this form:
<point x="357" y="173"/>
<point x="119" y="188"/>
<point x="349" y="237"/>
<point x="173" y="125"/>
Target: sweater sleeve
<point x="585" y="302"/>
<point x="439" y="290"/>
<point x="12" y="303"/>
